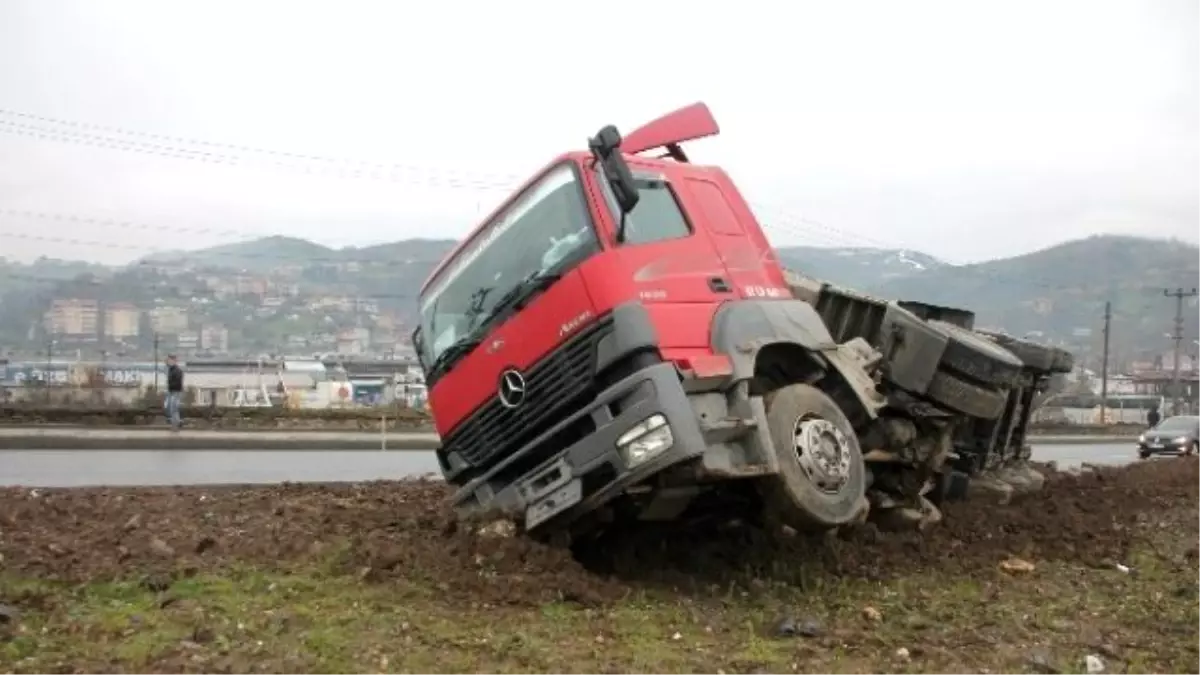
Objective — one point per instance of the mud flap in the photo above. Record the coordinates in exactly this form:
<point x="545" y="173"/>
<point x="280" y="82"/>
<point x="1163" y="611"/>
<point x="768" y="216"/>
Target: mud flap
<point x="747" y="454"/>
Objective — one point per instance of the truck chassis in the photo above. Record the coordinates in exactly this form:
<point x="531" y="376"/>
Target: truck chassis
<point x="949" y="423"/>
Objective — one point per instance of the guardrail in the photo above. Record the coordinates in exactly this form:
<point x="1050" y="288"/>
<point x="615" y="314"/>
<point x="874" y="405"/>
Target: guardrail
<point x="207" y="417"/>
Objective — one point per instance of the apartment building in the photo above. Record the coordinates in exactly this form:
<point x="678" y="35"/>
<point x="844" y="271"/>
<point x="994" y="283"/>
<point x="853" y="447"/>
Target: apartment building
<point x="214" y="338"/>
<point x="73" y="318"/>
<point x="168" y="320"/>
<point x="121" y="321"/>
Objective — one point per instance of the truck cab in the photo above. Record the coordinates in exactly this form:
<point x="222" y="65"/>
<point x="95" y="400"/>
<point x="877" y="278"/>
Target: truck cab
<point x="615" y="328"/>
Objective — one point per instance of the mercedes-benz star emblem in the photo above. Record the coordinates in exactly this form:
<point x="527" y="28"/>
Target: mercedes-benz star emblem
<point x="512" y="389"/>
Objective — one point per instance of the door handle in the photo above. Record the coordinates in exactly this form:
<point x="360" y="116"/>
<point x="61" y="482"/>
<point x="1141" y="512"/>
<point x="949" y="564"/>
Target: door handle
<point x="718" y="285"/>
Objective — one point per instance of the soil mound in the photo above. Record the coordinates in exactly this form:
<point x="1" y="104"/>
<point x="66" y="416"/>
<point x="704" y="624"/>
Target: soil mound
<point x="1092" y="516"/>
<point x="382" y="530"/>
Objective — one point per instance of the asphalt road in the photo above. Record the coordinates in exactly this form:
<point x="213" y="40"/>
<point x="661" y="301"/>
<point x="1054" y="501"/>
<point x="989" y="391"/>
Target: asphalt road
<point x="76" y="468"/>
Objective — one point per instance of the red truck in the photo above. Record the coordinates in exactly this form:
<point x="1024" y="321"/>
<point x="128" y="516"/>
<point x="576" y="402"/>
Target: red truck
<point x="618" y="338"/>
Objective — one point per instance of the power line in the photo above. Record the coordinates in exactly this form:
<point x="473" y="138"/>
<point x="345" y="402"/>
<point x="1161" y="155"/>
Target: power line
<point x="73" y="241"/>
<point x="232" y="256"/>
<point x="366" y="170"/>
<point x="156" y="144"/>
<point x="122" y="224"/>
<point x="357" y="171"/>
<point x="88" y="127"/>
<point x="335" y="259"/>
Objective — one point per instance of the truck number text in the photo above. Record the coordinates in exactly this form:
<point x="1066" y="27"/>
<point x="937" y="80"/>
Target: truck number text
<point x="765" y="292"/>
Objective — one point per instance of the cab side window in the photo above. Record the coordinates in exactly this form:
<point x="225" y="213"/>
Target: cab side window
<point x="657" y="216"/>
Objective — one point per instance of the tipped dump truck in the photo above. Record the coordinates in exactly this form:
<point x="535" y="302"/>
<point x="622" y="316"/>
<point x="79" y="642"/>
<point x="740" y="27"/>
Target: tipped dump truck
<point x="618" y="339"/>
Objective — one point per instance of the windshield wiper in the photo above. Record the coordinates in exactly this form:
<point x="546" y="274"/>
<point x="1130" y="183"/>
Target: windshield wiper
<point x="518" y="296"/>
<point x="453" y="353"/>
<point x="515" y="298"/>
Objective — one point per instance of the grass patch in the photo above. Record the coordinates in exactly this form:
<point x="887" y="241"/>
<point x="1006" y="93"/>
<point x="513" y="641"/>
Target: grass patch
<point x="311" y="620"/>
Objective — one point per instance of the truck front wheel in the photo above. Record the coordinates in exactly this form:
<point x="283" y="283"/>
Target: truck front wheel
<point x="822" y="479"/>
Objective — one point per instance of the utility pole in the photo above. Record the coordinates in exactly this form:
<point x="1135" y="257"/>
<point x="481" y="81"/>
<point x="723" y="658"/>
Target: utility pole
<point x="1104" y="364"/>
<point x="49" y="360"/>
<point x="156" y="363"/>
<point x="1179" y="294"/>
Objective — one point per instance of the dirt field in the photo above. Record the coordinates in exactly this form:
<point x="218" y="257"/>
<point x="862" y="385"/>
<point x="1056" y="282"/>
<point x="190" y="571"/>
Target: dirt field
<point x="375" y="577"/>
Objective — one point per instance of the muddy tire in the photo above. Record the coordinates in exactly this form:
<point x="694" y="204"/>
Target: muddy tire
<point x="821" y="482"/>
<point x="1035" y="356"/>
<point x="923" y="344"/>
<point x="952" y="366"/>
<point x="1064" y="361"/>
<point x="977" y="358"/>
<point x="965" y="397"/>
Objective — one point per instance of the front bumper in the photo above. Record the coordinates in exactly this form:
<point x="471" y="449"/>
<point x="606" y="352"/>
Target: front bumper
<point x="592" y="471"/>
<point x="1164" y="448"/>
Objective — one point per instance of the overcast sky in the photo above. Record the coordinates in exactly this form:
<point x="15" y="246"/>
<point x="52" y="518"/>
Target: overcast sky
<point x="968" y="130"/>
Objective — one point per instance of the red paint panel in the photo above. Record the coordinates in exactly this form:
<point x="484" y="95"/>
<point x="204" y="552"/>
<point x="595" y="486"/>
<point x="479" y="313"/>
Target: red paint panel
<point x="686" y="124"/>
<point x="527" y="337"/>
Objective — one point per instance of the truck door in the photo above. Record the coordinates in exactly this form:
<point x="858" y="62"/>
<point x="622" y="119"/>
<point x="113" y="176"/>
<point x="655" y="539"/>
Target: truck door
<point x="743" y="250"/>
<point x="674" y="265"/>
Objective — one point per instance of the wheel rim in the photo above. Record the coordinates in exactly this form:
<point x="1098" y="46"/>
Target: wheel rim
<point x="823" y="452"/>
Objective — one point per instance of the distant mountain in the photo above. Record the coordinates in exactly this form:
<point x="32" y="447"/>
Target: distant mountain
<point x="269" y="252"/>
<point x="857" y="267"/>
<point x="408" y="251"/>
<point x="1059" y="291"/>
<point x="257" y="254"/>
<point x="43" y="270"/>
<point x="848" y="266"/>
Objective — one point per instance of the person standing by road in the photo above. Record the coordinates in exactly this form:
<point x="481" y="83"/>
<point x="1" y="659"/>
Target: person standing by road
<point x="174" y="391"/>
<point x="1153" y="417"/>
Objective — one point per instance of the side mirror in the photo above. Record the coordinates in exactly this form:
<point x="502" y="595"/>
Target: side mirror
<point x="606" y="148"/>
<point x="419" y="346"/>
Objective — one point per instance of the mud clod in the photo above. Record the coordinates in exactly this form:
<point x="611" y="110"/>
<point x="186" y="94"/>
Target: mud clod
<point x="9" y="614"/>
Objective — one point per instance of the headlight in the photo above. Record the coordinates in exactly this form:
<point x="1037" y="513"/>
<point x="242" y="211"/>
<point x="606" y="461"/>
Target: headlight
<point x="1181" y="440"/>
<point x="648" y="439"/>
<point x="1142" y="438"/>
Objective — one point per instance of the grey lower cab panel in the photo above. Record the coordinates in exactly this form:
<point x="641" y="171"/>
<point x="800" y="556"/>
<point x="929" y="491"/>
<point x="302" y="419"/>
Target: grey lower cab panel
<point x="560" y="500"/>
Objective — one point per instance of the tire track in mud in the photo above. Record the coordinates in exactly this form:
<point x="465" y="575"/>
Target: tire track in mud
<point x="383" y="530"/>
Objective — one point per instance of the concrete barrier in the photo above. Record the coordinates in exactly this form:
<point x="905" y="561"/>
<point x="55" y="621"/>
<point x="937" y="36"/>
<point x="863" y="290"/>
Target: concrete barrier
<point x="78" y="438"/>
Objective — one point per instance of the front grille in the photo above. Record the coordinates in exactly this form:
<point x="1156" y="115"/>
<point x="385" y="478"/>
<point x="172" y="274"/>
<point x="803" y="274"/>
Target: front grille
<point x="555" y="386"/>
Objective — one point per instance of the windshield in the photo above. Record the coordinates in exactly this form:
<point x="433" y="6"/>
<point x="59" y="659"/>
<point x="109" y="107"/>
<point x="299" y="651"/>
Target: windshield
<point x="1182" y="424"/>
<point x="545" y="230"/>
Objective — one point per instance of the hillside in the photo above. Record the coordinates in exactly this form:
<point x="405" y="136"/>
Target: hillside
<point x="1063" y="288"/>
<point x="270" y="252"/>
<point x="1059" y="291"/>
<point x="857" y="267"/>
<point x="257" y="254"/>
<point x="407" y="251"/>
